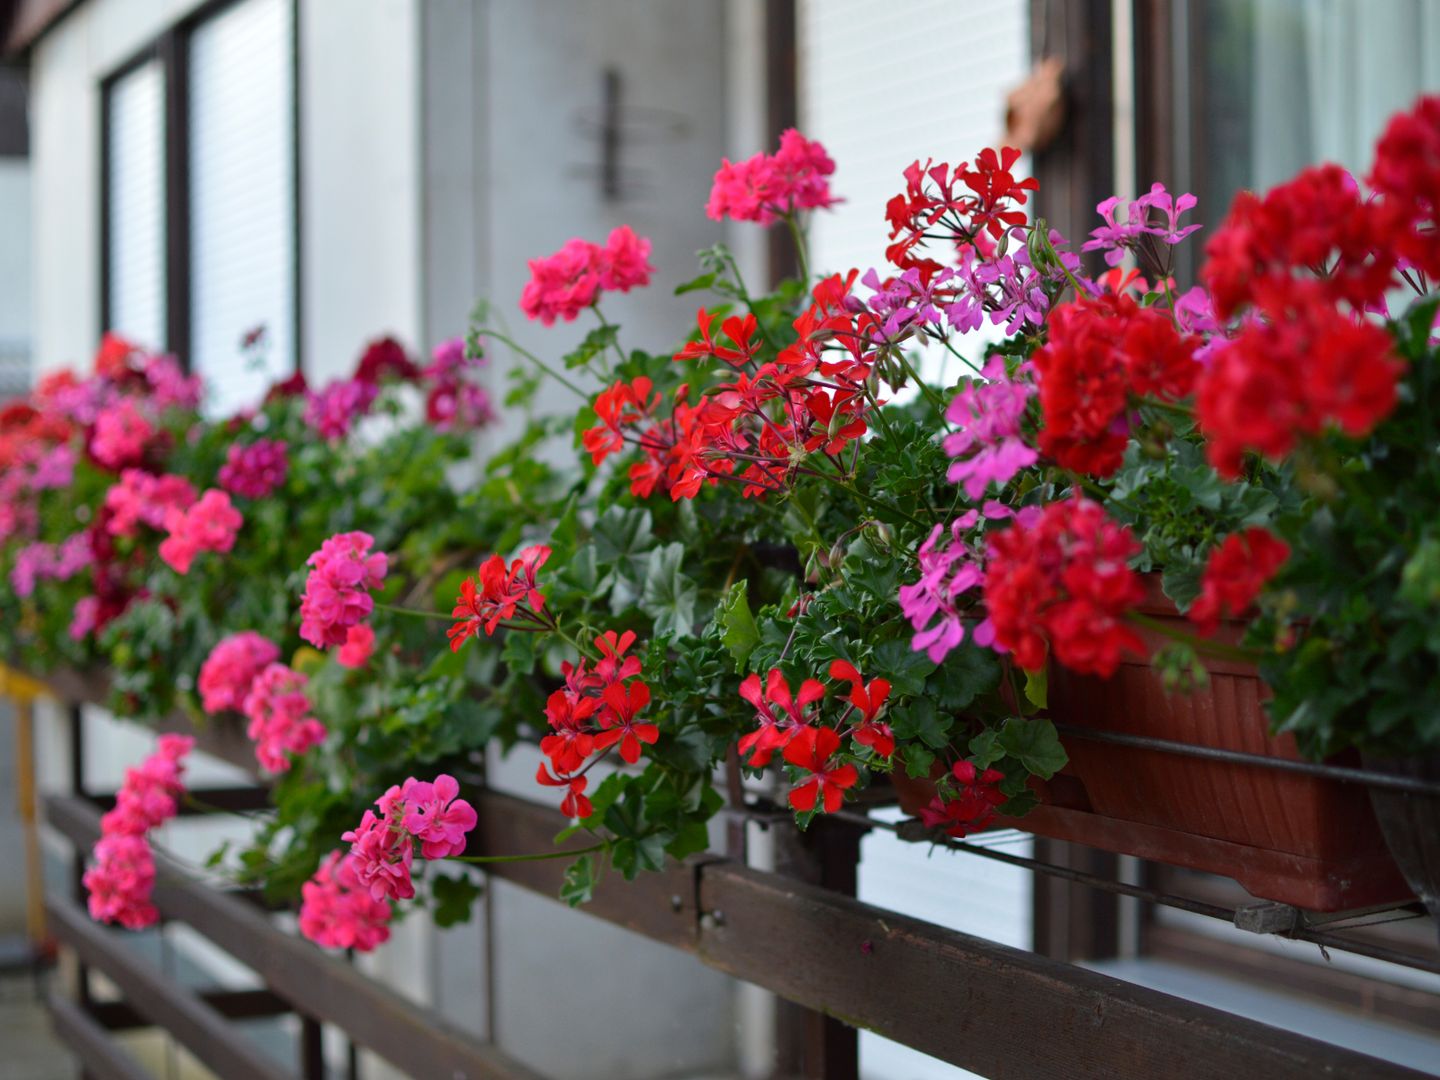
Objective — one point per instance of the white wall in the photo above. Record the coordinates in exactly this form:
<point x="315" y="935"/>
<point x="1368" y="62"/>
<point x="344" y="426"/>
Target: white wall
<point x="359" y="172"/>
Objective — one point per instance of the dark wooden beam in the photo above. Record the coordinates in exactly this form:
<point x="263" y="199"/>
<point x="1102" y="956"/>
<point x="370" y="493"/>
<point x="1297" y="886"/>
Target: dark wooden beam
<point x="158" y="998"/>
<point x="101" y="1058"/>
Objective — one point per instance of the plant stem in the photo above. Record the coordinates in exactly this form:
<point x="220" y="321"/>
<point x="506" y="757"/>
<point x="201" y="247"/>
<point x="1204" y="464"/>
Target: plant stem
<point x="878" y="504"/>
<point x="417" y="613"/>
<point x="535" y="857"/>
<point x="546" y="368"/>
<point x="796" y="234"/>
<point x="1215" y="648"/>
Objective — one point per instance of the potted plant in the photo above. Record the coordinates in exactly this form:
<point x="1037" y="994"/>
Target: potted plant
<point x="828" y="540"/>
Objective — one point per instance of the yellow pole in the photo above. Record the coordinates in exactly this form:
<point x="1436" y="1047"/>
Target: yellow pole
<point x="25" y="797"/>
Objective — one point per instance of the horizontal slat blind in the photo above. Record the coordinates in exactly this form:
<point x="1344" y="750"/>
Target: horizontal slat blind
<point x="242" y="215"/>
<point x="135" y="193"/>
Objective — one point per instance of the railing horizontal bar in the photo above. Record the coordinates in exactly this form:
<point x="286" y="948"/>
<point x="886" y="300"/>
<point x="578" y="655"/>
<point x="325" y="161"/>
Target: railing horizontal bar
<point x="413" y="1039"/>
<point x="157" y="997"/>
<point x="983" y="1006"/>
<point x="968" y="1001"/>
<point x="100" y="1056"/>
<point x="231" y="1004"/>
<point x="1343" y="773"/>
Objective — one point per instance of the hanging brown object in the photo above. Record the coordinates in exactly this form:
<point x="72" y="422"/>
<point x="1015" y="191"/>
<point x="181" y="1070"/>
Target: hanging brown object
<point x="1035" y="110"/>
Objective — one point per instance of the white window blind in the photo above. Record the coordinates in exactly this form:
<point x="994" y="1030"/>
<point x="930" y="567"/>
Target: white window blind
<point x="242" y="216"/>
<point x="135" y="214"/>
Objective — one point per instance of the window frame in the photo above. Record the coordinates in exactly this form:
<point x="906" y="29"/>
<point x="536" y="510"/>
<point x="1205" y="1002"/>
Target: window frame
<point x="172" y="49"/>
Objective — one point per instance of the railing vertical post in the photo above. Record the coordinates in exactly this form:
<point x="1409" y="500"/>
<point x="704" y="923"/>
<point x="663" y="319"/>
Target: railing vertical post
<point x="77" y="859"/>
<point x="312" y="1048"/>
<point x="807" y="1043"/>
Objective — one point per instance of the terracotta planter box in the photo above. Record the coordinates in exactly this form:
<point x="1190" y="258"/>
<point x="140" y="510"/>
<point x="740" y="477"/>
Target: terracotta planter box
<point x="1298" y="839"/>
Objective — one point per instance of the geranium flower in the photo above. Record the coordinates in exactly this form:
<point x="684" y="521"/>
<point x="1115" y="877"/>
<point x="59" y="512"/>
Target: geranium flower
<point x="338" y="912"/>
<point x="868" y="699"/>
<point x="495" y="594"/>
<point x="814" y="749"/>
<point x="1064" y="582"/>
<point x="231" y="669"/>
<point x="256" y="470"/>
<point x="970" y="808"/>
<point x="1235" y="573"/>
<point x="575" y="805"/>
<point x="775" y="730"/>
<point x="618" y="720"/>
<point x="437" y="816"/>
<point x="359" y="644"/>
<point x="337" y="591"/>
<point x="209" y="525"/>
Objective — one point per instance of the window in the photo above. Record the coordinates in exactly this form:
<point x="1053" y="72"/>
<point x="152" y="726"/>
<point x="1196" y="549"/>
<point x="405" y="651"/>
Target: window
<point x="134" y="186"/>
<point x="199" y="196"/>
<point x="242" y="196"/>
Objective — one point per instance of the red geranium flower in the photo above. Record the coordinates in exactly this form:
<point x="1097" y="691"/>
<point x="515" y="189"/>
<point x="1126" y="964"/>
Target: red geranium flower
<point x="1064" y="583"/>
<point x="498" y="594"/>
<point x="623" y="703"/>
<point x="572" y="742"/>
<point x="972" y="808"/>
<point x="740" y="331"/>
<point x="868" y="701"/>
<point x="813" y="749"/>
<point x="575" y="805"/>
<point x="775" y="731"/>
<point x="1234" y="575"/>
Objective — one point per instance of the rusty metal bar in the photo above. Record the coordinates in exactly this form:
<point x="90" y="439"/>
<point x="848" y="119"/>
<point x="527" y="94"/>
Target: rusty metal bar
<point x="203" y="1031"/>
<point x="413" y="1039"/>
<point x="99" y="1055"/>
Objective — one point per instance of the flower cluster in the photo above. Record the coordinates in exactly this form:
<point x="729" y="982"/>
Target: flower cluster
<point x="767" y="187"/>
<point x="337" y="591"/>
<point x="209" y="525"/>
<point x="1063" y="582"/>
<point x="965" y="801"/>
<point x="332" y="411"/>
<point x="337" y="912"/>
<point x="498" y="594"/>
<point x="141" y="498"/>
<point x="1100" y="354"/>
<point x="598" y="708"/>
<point x="231" y="670"/>
<point x="454" y="402"/>
<point x="382" y="847"/>
<point x="1116" y="237"/>
<point x="53" y="562"/>
<point x="1234" y="575"/>
<point x="278" y="711"/>
<point x="566" y="283"/>
<point x="254" y="471"/>
<point x="988" y="443"/>
<point x="123" y="874"/>
<point x="964" y="203"/>
<point x="121" y="436"/>
<point x="945" y="596"/>
<point x="791" y="723"/>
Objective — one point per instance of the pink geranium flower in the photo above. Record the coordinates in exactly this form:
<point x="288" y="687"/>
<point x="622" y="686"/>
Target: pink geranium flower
<point x="254" y="471"/>
<point x="338" y="912"/>
<point x="120" y="436"/>
<point x="279" y="713"/>
<point x="359" y="644"/>
<point x="437" y="816"/>
<point x="337" y="592"/>
<point x="231" y="669"/>
<point x="209" y="525"/>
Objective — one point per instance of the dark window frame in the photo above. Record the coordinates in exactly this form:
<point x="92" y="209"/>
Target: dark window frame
<point x="172" y="49"/>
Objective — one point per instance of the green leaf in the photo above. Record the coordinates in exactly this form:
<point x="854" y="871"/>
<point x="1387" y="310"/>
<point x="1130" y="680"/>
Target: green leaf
<point x="454" y="899"/>
<point x="985" y="749"/>
<point x="906" y="669"/>
<point x="1181" y="582"/>
<point x="1034" y="743"/>
<point x="596" y="342"/>
<point x="578" y="886"/>
<point x="704" y="281"/>
<point x="919" y="720"/>
<point x="918" y="760"/>
<point x="737" y="624"/>
<point x="519" y="652"/>
<point x="669" y="595"/>
<point x="1037" y="688"/>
